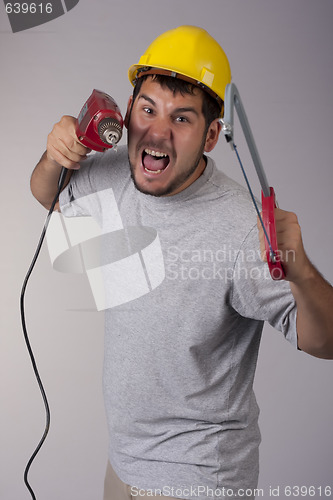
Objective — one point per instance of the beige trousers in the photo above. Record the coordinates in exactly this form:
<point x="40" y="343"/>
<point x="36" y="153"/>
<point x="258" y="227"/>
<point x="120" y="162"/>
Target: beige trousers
<point x="115" y="489"/>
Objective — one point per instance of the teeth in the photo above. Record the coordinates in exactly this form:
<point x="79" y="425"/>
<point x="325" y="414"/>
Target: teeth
<point x="152" y="171"/>
<point x="159" y="154"/>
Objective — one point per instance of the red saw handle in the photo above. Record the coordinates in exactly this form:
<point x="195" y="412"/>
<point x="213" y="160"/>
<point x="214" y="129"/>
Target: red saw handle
<point x="274" y="262"/>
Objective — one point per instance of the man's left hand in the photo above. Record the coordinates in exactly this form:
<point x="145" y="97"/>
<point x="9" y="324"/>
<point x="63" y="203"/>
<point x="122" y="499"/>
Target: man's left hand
<point x="290" y="245"/>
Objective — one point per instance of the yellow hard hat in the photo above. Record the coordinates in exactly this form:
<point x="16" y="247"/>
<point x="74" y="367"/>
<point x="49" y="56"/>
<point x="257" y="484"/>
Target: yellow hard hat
<point x="189" y="53"/>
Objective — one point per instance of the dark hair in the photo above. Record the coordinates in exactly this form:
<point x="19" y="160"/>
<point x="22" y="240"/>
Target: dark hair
<point x="210" y="107"/>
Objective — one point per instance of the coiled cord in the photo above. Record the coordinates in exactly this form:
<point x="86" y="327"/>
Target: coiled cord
<point x="25" y="332"/>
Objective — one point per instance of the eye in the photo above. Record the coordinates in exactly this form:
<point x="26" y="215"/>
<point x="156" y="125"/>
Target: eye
<point x="147" y="110"/>
<point x="181" y="119"/>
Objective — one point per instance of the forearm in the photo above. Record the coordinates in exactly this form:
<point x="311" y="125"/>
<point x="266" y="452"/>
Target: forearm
<point x="314" y="300"/>
<point x="312" y="293"/>
<point x="44" y="180"/>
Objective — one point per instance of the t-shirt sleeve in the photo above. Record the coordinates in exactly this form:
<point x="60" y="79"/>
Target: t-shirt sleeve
<point x="257" y="296"/>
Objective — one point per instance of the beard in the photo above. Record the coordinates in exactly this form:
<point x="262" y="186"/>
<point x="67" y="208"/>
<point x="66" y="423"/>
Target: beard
<point x="177" y="182"/>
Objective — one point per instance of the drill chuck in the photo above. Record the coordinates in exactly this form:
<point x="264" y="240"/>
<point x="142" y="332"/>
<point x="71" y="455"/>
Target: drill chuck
<point x="109" y="131"/>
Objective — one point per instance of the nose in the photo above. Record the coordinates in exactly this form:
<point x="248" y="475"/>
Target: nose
<point x="160" y="129"/>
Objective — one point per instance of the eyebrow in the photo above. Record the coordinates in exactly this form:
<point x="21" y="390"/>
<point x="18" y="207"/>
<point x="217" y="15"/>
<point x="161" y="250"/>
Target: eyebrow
<point x="184" y="109"/>
<point x="189" y="109"/>
<point x="144" y="96"/>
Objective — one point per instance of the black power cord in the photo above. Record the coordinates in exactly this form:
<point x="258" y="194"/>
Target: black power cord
<point x="32" y="358"/>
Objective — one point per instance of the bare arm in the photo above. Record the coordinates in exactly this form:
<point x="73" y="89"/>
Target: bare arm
<point x="63" y="150"/>
<point x="314" y="299"/>
<point x="312" y="293"/>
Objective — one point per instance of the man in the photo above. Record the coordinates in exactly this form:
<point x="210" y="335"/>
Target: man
<point x="180" y="360"/>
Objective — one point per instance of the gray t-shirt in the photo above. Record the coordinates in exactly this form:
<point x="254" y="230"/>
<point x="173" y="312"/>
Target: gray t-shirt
<point x="180" y="360"/>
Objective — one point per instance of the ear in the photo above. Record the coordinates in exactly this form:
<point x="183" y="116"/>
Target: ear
<point x="128" y="111"/>
<point x="212" y="135"/>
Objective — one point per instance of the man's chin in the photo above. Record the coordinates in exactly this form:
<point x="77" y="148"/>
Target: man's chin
<point x="147" y="188"/>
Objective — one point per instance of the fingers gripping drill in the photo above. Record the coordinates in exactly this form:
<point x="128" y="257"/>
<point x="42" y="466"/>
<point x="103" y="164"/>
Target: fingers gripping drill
<point x="267" y="220"/>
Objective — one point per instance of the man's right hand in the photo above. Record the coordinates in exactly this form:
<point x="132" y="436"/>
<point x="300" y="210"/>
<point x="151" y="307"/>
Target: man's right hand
<point x="63" y="145"/>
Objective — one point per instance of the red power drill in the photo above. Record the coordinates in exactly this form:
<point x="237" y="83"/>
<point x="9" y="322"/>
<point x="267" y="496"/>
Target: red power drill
<point x="99" y="124"/>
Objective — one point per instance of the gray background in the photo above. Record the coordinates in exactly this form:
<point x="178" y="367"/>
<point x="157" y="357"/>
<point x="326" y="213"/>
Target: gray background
<point x="281" y="58"/>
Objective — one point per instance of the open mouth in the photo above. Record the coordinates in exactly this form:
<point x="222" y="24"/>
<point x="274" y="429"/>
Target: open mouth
<point x="154" y="162"/>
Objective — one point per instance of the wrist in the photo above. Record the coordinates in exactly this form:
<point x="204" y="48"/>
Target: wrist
<point x="50" y="164"/>
<point x="306" y="276"/>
